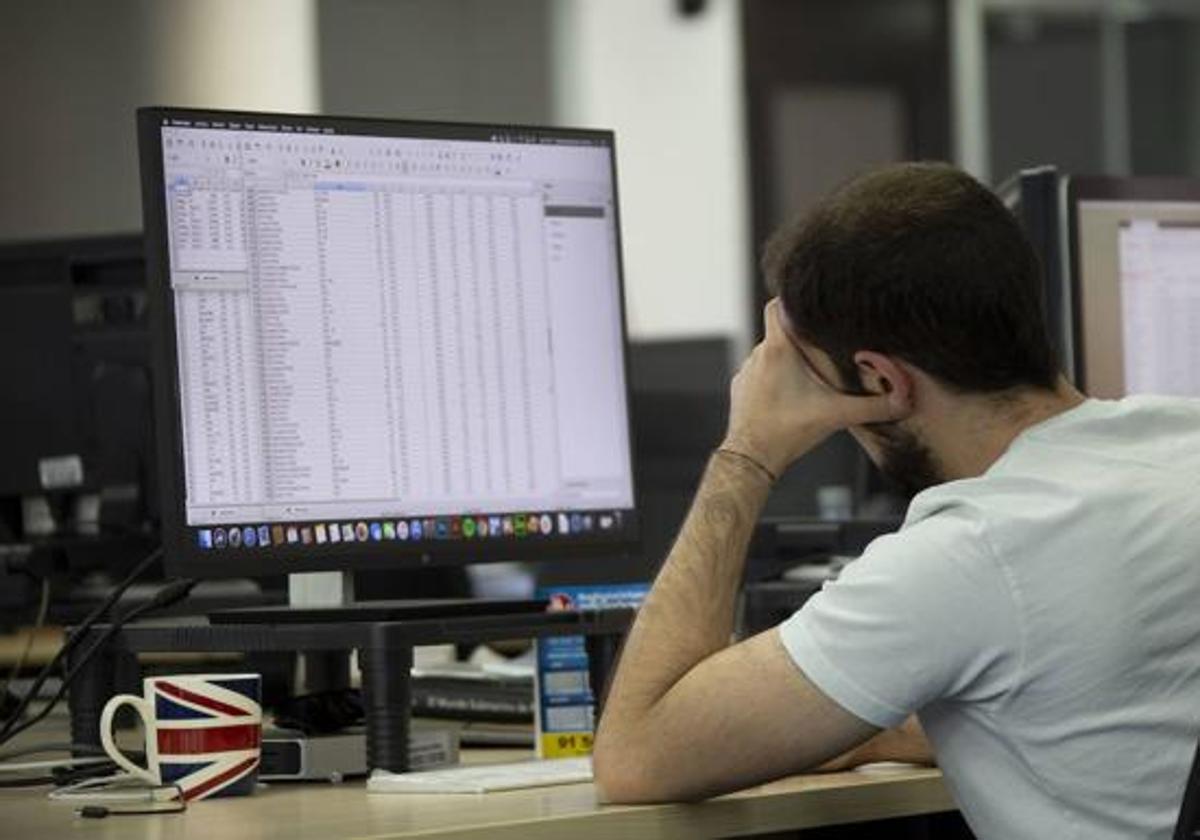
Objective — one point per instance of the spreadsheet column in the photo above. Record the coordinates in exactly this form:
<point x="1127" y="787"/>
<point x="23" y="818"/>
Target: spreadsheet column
<point x="296" y="419"/>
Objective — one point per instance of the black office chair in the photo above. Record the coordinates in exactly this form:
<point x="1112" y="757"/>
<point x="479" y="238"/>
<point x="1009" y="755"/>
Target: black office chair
<point x="1188" y="825"/>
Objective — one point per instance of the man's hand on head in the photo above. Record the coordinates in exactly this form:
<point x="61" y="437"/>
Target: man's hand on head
<point x="780" y="409"/>
<point x="744" y="713"/>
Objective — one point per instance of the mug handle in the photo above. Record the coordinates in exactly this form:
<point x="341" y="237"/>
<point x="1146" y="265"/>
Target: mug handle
<point x="149" y="773"/>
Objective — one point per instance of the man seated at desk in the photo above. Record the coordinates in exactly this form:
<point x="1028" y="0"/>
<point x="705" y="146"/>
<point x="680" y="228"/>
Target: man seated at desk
<point x="1036" y="611"/>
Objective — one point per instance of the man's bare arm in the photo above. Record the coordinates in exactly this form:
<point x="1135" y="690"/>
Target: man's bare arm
<point x="906" y="743"/>
<point x="687" y="714"/>
<point x="688" y="615"/>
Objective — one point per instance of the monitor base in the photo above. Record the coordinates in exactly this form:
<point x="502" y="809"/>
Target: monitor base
<point x="370" y="611"/>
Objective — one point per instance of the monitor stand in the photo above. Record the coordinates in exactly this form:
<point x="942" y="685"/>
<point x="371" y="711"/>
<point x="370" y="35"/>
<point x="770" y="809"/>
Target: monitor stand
<point x="327" y="599"/>
<point x="321" y="589"/>
<point x="321" y="670"/>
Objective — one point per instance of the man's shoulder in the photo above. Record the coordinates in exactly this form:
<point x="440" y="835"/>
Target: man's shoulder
<point x="1139" y="428"/>
<point x="942" y="531"/>
<point x="1077" y="474"/>
<point x="978" y="523"/>
<point x="955" y="509"/>
<point x="1181" y="408"/>
<point x="992" y="516"/>
<point x="1058" y="464"/>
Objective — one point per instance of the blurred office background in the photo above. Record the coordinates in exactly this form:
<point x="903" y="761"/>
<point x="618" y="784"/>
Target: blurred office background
<point x="730" y="117"/>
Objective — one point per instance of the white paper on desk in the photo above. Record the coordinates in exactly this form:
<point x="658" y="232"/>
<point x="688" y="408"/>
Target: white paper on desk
<point x="484" y="778"/>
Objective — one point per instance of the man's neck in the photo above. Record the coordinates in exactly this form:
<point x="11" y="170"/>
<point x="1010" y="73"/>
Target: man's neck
<point x="972" y="434"/>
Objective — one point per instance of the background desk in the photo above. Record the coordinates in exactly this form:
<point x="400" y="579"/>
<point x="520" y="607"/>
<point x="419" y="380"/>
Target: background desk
<point x="45" y="644"/>
<point x="308" y="812"/>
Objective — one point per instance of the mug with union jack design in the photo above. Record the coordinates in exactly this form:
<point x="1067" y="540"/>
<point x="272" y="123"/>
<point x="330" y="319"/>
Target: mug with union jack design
<point x="203" y="732"/>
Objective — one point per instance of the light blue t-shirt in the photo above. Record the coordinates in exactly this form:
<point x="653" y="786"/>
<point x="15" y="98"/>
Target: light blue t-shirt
<point x="1043" y="620"/>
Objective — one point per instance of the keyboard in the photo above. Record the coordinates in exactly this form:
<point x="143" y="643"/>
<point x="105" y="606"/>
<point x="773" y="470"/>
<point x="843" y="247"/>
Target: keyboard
<point x="484" y="778"/>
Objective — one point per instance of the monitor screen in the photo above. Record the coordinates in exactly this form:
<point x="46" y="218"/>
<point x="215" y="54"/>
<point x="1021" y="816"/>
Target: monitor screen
<point x="1136" y="249"/>
<point x="386" y="341"/>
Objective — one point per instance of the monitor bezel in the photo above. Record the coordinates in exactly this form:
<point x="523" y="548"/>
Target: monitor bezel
<point x="1110" y="188"/>
<point x="183" y="556"/>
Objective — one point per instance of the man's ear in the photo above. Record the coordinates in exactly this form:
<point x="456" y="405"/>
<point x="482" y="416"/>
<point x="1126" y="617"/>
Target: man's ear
<point x="887" y="375"/>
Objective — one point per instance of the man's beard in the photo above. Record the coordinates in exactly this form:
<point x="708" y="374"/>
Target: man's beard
<point x="904" y="459"/>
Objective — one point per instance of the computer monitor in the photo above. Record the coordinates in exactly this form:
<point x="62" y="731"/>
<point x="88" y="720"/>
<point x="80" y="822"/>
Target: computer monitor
<point x="74" y="369"/>
<point x="1135" y="256"/>
<point x="384" y="343"/>
<point x="1036" y="196"/>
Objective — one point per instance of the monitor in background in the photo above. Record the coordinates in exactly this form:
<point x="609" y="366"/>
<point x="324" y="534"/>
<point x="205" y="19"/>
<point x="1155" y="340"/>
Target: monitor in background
<point x="384" y="344"/>
<point x="1036" y="197"/>
<point x="77" y="452"/>
<point x="680" y="407"/>
<point x="680" y="397"/>
<point x="77" y="496"/>
<point x="1135" y="247"/>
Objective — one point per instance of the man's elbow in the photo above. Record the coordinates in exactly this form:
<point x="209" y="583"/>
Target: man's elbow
<point x="613" y="772"/>
<point x="622" y="773"/>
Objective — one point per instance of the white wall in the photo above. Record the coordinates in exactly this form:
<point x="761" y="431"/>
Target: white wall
<point x="474" y="60"/>
<point x="72" y="73"/>
<point x="257" y="56"/>
<point x="671" y="87"/>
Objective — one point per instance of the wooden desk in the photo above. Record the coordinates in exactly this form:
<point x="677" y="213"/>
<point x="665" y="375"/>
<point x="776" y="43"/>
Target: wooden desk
<point x="309" y="812"/>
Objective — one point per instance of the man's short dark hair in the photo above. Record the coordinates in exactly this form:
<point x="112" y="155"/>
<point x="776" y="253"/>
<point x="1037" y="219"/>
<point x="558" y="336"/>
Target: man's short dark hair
<point x="919" y="261"/>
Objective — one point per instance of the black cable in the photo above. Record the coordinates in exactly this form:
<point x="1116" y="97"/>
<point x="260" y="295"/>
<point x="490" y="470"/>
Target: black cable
<point x="38" y="623"/>
<point x="71" y="641"/>
<point x="165" y="597"/>
<point x="29" y="781"/>
<point x="69" y="772"/>
<point x="94" y="812"/>
<point x="67" y="775"/>
<point x="76" y="750"/>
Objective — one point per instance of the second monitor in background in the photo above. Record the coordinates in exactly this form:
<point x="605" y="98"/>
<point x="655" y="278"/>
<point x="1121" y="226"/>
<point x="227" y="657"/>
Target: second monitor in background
<point x="679" y="402"/>
<point x="1135" y="247"/>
